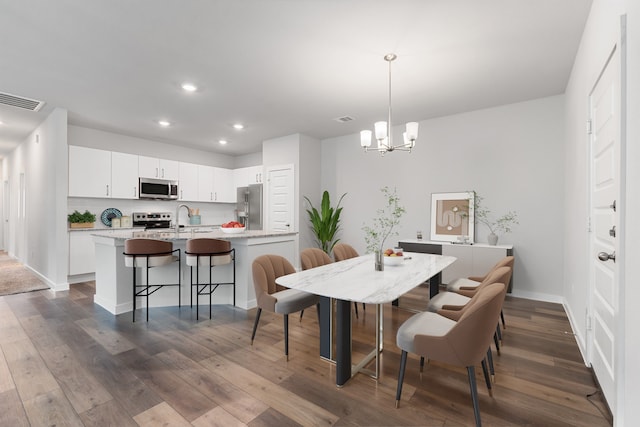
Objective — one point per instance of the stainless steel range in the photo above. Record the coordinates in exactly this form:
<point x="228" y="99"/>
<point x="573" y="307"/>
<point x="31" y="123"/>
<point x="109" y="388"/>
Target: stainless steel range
<point x="150" y="220"/>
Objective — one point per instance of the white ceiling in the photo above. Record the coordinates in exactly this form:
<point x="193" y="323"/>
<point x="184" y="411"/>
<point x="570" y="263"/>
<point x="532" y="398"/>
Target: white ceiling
<point x="279" y="66"/>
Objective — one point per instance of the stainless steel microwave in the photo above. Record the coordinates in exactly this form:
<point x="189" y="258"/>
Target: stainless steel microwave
<point x="158" y="189"/>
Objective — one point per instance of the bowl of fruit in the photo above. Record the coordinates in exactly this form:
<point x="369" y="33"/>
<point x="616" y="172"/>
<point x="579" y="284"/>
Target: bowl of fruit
<point x="232" y="227"/>
<point x="393" y="256"/>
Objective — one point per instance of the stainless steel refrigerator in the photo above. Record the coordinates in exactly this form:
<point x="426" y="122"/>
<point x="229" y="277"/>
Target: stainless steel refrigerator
<point x="249" y="208"/>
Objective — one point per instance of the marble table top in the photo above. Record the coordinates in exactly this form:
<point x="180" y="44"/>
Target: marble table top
<point x="356" y="280"/>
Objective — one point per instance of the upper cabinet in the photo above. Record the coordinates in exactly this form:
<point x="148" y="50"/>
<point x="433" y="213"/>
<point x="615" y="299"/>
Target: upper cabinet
<point x="246" y="176"/>
<point x="223" y="189"/>
<point x="188" y="182"/>
<point x="124" y="176"/>
<point x="151" y="167"/>
<point x="106" y="174"/>
<point x="89" y="172"/>
<point x="205" y="184"/>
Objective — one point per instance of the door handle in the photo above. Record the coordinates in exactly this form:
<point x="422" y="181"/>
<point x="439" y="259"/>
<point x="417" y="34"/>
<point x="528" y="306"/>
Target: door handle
<point x="603" y="256"/>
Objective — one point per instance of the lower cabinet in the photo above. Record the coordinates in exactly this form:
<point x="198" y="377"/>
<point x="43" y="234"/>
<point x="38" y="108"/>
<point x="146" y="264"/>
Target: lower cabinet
<point x="472" y="260"/>
<point x="82" y="253"/>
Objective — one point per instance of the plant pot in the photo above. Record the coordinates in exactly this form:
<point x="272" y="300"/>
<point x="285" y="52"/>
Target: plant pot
<point x="81" y="224"/>
<point x="492" y="239"/>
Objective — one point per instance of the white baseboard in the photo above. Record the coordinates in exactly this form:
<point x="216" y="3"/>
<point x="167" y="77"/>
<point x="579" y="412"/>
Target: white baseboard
<point x="580" y="338"/>
<point x="536" y="296"/>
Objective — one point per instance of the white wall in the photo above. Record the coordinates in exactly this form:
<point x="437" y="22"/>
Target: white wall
<point x="38" y="238"/>
<point x="511" y="155"/>
<point x="309" y="183"/>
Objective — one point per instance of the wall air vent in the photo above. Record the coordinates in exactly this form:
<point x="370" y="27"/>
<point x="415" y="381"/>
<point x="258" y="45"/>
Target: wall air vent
<point x="20" y="102"/>
<point x="343" y="119"/>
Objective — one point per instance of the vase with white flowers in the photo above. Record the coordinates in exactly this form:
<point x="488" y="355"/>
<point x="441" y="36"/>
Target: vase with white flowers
<point x="383" y="225"/>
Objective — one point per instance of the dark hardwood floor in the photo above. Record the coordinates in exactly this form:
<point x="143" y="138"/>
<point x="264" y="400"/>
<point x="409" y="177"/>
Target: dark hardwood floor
<point x="65" y="361"/>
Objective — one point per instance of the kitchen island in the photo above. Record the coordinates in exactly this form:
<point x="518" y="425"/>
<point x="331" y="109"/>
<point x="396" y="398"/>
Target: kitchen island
<point x="114" y="280"/>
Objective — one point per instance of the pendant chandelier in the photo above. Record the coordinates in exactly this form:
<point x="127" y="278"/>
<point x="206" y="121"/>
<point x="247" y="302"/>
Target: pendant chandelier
<point x="383" y="129"/>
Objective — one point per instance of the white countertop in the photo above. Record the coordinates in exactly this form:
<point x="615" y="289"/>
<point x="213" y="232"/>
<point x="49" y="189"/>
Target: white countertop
<point x="187" y="233"/>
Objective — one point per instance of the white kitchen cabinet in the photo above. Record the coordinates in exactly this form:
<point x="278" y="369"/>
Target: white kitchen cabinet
<point x="255" y="174"/>
<point x="89" y="172"/>
<point x="205" y="183"/>
<point x="188" y="182"/>
<point x="82" y="253"/>
<point x="124" y="176"/>
<point x="152" y="167"/>
<point x="249" y="175"/>
<point x="223" y="187"/>
<point x="241" y="177"/>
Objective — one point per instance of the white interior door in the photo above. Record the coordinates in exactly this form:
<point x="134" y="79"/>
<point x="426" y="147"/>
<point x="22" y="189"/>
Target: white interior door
<point x="604" y="191"/>
<point x="280" y="198"/>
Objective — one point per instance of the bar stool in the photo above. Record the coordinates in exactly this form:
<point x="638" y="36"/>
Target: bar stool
<point x="209" y="253"/>
<point x="149" y="253"/>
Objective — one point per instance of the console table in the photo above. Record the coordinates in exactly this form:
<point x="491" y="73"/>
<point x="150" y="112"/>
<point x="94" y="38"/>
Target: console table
<point x="473" y="259"/>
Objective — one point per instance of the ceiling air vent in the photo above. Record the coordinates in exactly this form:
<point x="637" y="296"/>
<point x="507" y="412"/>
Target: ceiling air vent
<point x="20" y="102"/>
<point x="343" y="119"/>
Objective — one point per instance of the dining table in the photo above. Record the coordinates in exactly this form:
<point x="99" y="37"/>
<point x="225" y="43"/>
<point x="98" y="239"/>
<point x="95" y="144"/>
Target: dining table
<point x="357" y="280"/>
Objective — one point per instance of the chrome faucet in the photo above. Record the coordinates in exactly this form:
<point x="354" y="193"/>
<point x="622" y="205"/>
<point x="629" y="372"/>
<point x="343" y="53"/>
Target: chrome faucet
<point x="178" y="215"/>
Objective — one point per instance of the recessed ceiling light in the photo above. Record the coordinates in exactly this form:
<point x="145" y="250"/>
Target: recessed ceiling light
<point x="164" y="123"/>
<point x="1" y="122"/>
<point x="238" y="126"/>
<point x="222" y="142"/>
<point x="189" y="87"/>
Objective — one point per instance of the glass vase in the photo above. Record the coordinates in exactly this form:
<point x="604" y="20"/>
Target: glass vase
<point x="379" y="260"/>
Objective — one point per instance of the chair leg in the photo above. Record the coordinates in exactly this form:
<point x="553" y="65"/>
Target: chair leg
<point x="504" y="325"/>
<point x="286" y="336"/>
<point x="421" y="366"/>
<point x="403" y="364"/>
<point x="487" y="380"/>
<point x="355" y="305"/>
<point x="495" y="340"/>
<point x="499" y="332"/>
<point x="301" y="314"/>
<point x="255" y="324"/>
<point x="134" y="290"/>
<point x="491" y="367"/>
<point x="474" y="394"/>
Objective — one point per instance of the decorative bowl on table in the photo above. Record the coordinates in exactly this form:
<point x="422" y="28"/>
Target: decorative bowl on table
<point x="393" y="256"/>
<point x="232" y="227"/>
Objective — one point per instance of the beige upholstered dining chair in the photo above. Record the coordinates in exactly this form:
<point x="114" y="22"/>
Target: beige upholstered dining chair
<point x="313" y="257"/>
<point x="465" y="286"/>
<point x="205" y="252"/>
<point x="275" y="298"/>
<point x="341" y="252"/>
<point x="454" y="301"/>
<point x="462" y="343"/>
<point x="149" y="253"/>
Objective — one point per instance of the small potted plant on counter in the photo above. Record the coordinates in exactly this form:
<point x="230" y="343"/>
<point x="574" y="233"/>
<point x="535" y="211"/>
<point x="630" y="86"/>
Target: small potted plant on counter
<point x="81" y="220"/>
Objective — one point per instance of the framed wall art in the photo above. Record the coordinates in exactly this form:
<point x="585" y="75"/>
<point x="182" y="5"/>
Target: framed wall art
<point x="452" y="218"/>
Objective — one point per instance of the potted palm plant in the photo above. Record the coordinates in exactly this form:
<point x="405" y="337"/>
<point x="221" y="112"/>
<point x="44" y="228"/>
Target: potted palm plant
<point x="325" y="222"/>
